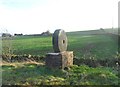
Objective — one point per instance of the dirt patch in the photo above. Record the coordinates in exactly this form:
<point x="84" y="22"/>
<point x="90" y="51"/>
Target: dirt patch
<point x="22" y="58"/>
<point x="114" y="62"/>
<point x="20" y="64"/>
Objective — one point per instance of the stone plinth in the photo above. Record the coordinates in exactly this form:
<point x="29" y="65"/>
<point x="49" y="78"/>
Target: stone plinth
<point x="59" y="60"/>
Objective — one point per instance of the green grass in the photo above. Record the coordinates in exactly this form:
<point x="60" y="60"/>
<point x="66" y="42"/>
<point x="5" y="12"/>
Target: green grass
<point x="35" y="74"/>
<point x="83" y="44"/>
<point x="99" y="45"/>
<point x="32" y="45"/>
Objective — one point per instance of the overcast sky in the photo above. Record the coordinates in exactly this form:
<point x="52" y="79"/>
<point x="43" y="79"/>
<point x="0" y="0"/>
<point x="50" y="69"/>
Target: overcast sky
<point x="36" y="16"/>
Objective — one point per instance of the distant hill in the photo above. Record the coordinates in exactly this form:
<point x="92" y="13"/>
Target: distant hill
<point x="112" y="31"/>
<point x="98" y="31"/>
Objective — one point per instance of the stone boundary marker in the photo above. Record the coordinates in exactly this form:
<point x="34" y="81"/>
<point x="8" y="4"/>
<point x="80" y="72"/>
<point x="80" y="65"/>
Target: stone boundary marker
<point x="60" y="58"/>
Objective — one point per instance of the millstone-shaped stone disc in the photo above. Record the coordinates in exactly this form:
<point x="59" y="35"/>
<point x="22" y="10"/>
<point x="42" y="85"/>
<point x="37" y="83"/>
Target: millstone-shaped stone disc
<point x="59" y="41"/>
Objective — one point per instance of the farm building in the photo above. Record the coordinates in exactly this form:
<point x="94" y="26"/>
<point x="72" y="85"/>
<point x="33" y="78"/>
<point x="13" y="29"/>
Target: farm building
<point x="6" y="35"/>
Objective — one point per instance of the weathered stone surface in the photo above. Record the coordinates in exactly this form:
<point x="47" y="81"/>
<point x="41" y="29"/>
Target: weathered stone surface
<point x="59" y="60"/>
<point x="59" y="41"/>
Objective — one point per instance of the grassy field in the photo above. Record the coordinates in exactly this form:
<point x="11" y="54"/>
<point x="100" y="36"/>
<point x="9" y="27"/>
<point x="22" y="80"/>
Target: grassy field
<point x="84" y="44"/>
<point x="94" y="44"/>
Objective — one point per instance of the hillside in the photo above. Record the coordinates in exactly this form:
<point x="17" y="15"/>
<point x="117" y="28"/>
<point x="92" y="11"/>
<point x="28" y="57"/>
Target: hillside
<point x="98" y="31"/>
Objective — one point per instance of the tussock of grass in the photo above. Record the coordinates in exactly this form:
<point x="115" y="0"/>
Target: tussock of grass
<point x="36" y="74"/>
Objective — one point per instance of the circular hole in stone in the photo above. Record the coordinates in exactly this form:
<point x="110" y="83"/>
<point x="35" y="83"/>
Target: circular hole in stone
<point x="63" y="41"/>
